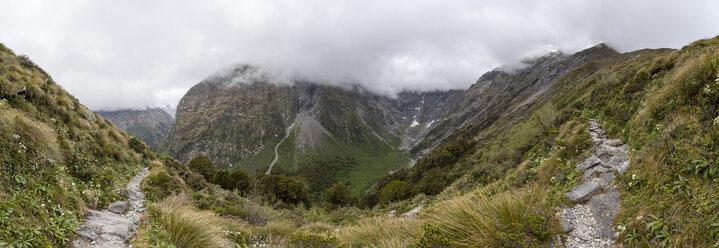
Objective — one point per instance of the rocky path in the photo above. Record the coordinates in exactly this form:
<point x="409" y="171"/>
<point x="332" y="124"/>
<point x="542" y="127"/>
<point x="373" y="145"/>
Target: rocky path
<point x="277" y="155"/>
<point x="115" y="226"/>
<point x="589" y="223"/>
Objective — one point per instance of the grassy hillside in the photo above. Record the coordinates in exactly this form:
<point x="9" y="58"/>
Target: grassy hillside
<point x="498" y="185"/>
<point x="502" y="186"/>
<point x="356" y="165"/>
<point x="661" y="102"/>
<point x="56" y="157"/>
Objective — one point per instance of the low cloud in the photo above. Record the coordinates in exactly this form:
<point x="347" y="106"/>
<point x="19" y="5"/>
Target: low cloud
<point x="134" y="54"/>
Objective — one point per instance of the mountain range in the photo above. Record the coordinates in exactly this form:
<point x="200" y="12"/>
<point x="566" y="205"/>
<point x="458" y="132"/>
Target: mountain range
<point x="240" y="121"/>
<point x="150" y="125"/>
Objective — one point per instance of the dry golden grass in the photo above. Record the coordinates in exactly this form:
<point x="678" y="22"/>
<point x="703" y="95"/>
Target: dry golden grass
<point x="479" y="219"/>
<point x="381" y="232"/>
<point x="36" y="134"/>
<point x="188" y="227"/>
<point x="318" y="228"/>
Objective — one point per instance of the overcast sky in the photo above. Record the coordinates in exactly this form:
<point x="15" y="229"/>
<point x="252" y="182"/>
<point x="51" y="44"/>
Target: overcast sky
<point x="138" y="53"/>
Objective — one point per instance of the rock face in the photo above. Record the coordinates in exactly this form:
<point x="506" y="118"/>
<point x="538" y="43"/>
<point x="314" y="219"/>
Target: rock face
<point x="117" y="225"/>
<point x="149" y="125"/>
<point x="590" y="222"/>
<point x="238" y="118"/>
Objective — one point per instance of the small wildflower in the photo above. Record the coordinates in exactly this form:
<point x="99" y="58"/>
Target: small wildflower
<point x="659" y="127"/>
<point x="621" y="228"/>
<point x="635" y="177"/>
<point x="640" y="217"/>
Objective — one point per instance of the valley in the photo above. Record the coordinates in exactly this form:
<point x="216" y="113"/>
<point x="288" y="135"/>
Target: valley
<point x="596" y="148"/>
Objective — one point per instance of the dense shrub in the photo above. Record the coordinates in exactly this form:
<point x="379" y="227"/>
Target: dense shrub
<point x="241" y="182"/>
<point x="338" y="194"/>
<point x="195" y="181"/>
<point x="284" y="188"/>
<point x="137" y="145"/>
<point x="202" y="165"/>
<point x="235" y="180"/>
<point x="222" y="178"/>
<point x="434" y="238"/>
<point x="432" y="182"/>
<point x="321" y="175"/>
<point x="161" y="185"/>
<point x="395" y="191"/>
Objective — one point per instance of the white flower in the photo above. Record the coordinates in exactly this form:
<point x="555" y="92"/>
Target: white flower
<point x="622" y="228"/>
<point x="658" y="127"/>
<point x="640" y="217"/>
<point x="716" y="121"/>
<point x="42" y="205"/>
<point x="635" y="177"/>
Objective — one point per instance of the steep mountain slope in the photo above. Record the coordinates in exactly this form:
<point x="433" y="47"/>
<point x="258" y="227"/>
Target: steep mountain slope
<point x="57" y="158"/>
<point x="611" y="150"/>
<point x="354" y="136"/>
<point x="492" y="95"/>
<point x="662" y="103"/>
<point x="149" y="125"/>
<point x="238" y="125"/>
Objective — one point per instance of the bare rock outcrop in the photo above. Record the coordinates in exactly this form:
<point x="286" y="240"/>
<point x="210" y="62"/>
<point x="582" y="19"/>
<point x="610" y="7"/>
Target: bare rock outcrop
<point x="590" y="223"/>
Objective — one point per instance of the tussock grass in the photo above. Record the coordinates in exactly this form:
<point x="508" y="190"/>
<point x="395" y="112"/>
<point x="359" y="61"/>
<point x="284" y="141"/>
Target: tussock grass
<point x="318" y="227"/>
<point x="510" y="218"/>
<point x="277" y="232"/>
<point x="381" y="232"/>
<point x="188" y="227"/>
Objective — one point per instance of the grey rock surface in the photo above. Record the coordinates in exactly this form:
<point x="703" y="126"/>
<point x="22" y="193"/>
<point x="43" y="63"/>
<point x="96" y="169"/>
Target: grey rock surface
<point x="116" y="226"/>
<point x="591" y="161"/>
<point x="413" y="212"/>
<point x="590" y="223"/>
<point x="150" y="125"/>
<point x="605" y="207"/>
<point x="119" y="207"/>
<point x="391" y="213"/>
<point x="584" y="191"/>
<point x="594" y="171"/>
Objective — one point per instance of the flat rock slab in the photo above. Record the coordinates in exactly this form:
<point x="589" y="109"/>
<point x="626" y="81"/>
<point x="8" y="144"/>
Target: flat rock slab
<point x="588" y="163"/>
<point x="606" y="178"/>
<point x="614" y="142"/>
<point x="119" y="207"/>
<point x="605" y="207"/>
<point x="584" y="191"/>
<point x="594" y="171"/>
